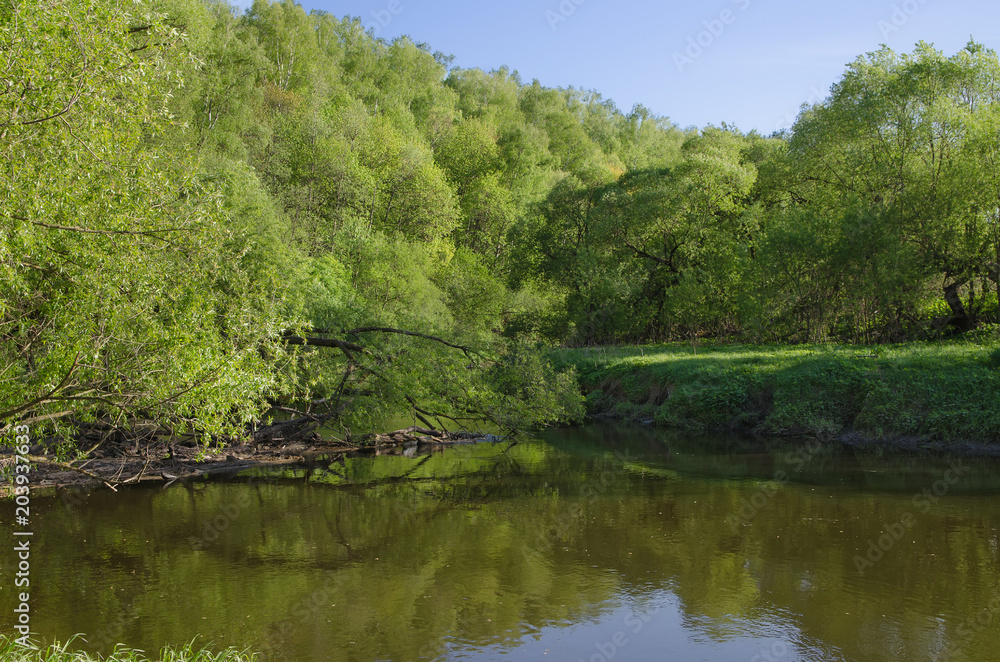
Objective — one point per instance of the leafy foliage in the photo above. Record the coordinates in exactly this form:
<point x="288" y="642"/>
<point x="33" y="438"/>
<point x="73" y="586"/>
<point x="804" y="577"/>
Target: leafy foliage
<point x="127" y="291"/>
<point x="213" y="212"/>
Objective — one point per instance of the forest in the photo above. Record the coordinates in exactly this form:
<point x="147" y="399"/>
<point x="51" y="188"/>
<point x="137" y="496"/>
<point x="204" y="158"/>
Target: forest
<point x="210" y="214"/>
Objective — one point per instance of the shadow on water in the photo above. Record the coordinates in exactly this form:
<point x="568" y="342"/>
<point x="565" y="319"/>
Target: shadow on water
<point x="598" y="543"/>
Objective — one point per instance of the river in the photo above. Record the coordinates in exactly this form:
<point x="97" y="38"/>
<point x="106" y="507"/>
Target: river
<point x="595" y="544"/>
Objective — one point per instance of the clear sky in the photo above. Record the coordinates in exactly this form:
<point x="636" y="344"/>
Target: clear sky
<point x="750" y="63"/>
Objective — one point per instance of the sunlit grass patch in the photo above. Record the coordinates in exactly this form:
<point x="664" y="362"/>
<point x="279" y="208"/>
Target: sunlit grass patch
<point x="944" y="391"/>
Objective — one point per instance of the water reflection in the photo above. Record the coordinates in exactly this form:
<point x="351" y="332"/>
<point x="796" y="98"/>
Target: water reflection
<point x="603" y="543"/>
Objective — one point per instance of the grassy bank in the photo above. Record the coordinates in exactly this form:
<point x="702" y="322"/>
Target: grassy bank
<point x="943" y="391"/>
<point x="67" y="652"/>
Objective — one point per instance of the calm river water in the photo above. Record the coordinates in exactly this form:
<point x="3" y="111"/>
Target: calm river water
<point x="596" y="544"/>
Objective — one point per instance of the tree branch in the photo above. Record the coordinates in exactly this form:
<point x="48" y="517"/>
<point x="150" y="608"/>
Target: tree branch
<point x="74" y="228"/>
<point x="45" y="398"/>
<point x="346" y="347"/>
<point x="382" y="329"/>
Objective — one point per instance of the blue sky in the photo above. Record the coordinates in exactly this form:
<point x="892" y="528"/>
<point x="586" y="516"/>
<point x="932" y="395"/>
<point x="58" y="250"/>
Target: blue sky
<point x="751" y="63"/>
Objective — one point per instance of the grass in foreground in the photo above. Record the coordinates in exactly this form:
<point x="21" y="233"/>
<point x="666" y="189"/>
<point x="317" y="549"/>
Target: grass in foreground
<point x="64" y="652"/>
<point x="942" y="391"/>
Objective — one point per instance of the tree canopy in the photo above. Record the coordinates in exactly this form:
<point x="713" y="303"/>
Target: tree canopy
<point x="208" y="213"/>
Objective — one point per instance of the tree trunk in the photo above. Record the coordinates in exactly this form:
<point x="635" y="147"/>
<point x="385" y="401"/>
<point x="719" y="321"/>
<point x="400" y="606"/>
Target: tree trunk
<point x="959" y="316"/>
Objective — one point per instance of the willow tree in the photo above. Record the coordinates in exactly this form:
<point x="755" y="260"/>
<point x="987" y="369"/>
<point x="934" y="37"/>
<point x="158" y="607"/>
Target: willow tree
<point x="125" y="295"/>
<point x="898" y="145"/>
<point x="687" y="227"/>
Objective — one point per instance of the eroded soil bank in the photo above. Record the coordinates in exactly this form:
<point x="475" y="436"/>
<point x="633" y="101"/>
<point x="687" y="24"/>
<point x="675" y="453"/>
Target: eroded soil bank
<point x="124" y="463"/>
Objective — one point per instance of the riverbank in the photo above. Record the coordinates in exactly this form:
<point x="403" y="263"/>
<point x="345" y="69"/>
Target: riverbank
<point x="119" y="463"/>
<point x="932" y="395"/>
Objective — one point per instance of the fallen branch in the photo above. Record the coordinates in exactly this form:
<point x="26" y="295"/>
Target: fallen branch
<point x="110" y="483"/>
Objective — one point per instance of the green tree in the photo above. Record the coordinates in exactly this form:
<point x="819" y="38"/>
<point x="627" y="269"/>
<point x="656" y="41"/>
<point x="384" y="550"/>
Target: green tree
<point x="689" y="228"/>
<point x="895" y="143"/>
<point x="126" y="295"/>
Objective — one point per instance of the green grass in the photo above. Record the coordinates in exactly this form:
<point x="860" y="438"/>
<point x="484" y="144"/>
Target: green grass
<point x="942" y="391"/>
<point x="65" y="652"/>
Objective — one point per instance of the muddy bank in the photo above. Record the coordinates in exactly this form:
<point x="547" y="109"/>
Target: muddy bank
<point x="119" y="464"/>
<point x="970" y="448"/>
